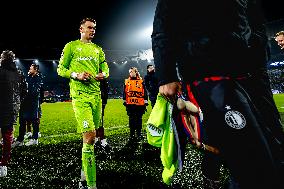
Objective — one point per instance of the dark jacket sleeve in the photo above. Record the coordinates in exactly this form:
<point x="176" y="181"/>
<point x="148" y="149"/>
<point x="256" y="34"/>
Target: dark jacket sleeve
<point x="23" y="86"/>
<point x="104" y="86"/>
<point x="41" y="94"/>
<point x="258" y="42"/>
<point x="145" y="92"/>
<point x="164" y="42"/>
<point x="123" y="92"/>
<point x="147" y="83"/>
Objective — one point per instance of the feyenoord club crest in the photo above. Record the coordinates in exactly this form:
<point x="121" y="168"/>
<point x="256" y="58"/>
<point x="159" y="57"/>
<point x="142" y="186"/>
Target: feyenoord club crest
<point x="235" y="119"/>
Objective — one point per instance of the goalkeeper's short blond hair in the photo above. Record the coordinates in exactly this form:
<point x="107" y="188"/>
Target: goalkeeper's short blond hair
<point x="279" y="33"/>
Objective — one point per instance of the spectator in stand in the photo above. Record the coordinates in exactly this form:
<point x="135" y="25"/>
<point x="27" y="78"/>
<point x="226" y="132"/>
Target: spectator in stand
<point x="13" y="89"/>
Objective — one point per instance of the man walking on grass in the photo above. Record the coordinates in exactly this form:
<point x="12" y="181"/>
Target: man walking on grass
<point x="81" y="61"/>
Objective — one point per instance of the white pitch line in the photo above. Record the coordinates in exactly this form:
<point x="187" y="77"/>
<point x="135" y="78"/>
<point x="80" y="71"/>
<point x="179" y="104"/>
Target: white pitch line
<point x="117" y="127"/>
<point x="69" y="134"/>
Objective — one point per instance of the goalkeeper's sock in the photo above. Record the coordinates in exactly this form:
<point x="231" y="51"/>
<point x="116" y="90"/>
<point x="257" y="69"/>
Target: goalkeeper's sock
<point x="83" y="176"/>
<point x="89" y="164"/>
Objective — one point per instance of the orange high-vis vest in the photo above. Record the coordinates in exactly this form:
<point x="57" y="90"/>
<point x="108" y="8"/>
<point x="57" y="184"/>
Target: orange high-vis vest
<point x="134" y="92"/>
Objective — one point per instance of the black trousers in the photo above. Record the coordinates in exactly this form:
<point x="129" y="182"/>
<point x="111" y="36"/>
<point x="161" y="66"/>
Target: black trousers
<point x="233" y="123"/>
<point x="135" y="114"/>
<point x="135" y="125"/>
<point x="23" y="125"/>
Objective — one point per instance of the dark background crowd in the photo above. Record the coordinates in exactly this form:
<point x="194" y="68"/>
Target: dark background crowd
<point x="119" y="61"/>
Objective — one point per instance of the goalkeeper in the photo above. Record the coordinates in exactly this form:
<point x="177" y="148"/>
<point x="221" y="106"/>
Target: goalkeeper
<point x="81" y="61"/>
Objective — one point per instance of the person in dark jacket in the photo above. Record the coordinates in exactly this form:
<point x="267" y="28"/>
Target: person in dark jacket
<point x="101" y="140"/>
<point x="13" y="89"/>
<point x="220" y="50"/>
<point x="151" y="84"/>
<point x="136" y="101"/>
<point x="30" y="110"/>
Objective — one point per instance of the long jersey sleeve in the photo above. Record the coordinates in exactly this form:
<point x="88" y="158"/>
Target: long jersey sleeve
<point x="82" y="57"/>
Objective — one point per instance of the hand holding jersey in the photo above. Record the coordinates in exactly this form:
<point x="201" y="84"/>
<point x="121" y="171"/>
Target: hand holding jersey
<point x="169" y="91"/>
<point x="190" y="113"/>
<point x="188" y="110"/>
<point x="191" y="116"/>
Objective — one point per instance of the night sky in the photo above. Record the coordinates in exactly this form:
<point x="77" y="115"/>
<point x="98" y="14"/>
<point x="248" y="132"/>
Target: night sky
<point x="42" y="29"/>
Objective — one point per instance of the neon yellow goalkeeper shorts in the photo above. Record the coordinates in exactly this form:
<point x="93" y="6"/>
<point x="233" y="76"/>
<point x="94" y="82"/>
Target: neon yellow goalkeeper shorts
<point x="88" y="111"/>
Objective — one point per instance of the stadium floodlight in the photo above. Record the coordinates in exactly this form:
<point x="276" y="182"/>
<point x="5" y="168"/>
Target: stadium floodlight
<point x="146" y="55"/>
<point x="146" y="33"/>
<point x="137" y="39"/>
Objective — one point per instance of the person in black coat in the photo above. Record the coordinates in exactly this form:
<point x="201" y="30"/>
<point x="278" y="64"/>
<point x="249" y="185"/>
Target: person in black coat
<point x="101" y="140"/>
<point x="13" y="89"/>
<point x="30" y="110"/>
<point x="220" y="49"/>
<point x="151" y="84"/>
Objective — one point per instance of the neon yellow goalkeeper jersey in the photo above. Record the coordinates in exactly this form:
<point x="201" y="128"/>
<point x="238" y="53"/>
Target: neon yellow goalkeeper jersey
<point x="78" y="57"/>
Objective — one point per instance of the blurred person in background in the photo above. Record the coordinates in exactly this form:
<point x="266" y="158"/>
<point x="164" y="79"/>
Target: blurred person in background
<point x="30" y="110"/>
<point x="135" y="99"/>
<point x="101" y="141"/>
<point x="13" y="88"/>
<point x="151" y="84"/>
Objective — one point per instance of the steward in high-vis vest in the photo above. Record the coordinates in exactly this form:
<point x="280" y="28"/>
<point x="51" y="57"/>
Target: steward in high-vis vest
<point x="135" y="100"/>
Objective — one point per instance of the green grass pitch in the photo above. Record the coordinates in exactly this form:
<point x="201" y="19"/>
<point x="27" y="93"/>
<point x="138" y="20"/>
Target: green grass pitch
<point x="56" y="161"/>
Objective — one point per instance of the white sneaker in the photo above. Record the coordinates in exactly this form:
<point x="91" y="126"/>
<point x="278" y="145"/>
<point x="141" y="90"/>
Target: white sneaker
<point x="17" y="143"/>
<point x="94" y="187"/>
<point x="3" y="171"/>
<point x="83" y="185"/>
<point x="83" y="176"/>
<point x="28" y="135"/>
<point x="32" y="142"/>
<point x="39" y="135"/>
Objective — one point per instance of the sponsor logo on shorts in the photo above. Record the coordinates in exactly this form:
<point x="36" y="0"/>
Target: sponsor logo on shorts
<point x="235" y="119"/>
<point x="85" y="124"/>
